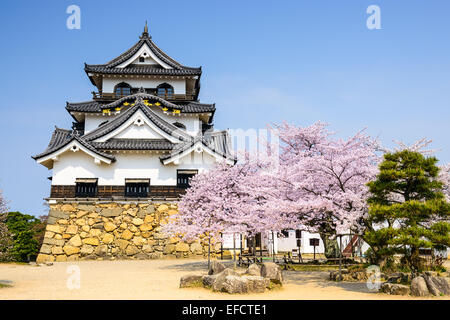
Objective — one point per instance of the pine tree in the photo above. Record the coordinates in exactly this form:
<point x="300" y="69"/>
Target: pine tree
<point x="407" y="209"/>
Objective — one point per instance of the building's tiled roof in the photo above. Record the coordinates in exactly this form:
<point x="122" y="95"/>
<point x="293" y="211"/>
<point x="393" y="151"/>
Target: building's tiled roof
<point x="94" y="106"/>
<point x="87" y="106"/>
<point x="218" y="141"/>
<point x="111" y="66"/>
<point x="61" y="138"/>
<point x="141" y="71"/>
<point x="134" y="144"/>
<point x="123" y="117"/>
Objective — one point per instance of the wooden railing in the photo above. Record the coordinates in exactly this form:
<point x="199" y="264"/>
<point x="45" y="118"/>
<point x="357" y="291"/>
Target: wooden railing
<point x="67" y="191"/>
<point x="170" y="97"/>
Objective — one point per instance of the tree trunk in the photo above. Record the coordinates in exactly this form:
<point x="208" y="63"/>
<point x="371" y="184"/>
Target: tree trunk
<point x="330" y="245"/>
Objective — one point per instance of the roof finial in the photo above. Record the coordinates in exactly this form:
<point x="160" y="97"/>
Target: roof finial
<point x="145" y="33"/>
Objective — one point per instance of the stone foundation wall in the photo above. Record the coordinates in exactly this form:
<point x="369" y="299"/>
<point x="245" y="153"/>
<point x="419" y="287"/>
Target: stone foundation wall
<point x="97" y="231"/>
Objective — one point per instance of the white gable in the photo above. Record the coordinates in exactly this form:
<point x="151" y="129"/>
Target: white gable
<point x="75" y="147"/>
<point x="146" y="53"/>
<point x="139" y="126"/>
<point x="192" y="153"/>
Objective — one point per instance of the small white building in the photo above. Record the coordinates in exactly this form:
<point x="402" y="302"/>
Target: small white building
<point x="143" y="135"/>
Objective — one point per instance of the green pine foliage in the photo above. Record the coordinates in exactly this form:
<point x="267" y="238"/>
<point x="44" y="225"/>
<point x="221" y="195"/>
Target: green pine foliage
<point x="407" y="209"/>
<point x="27" y="233"/>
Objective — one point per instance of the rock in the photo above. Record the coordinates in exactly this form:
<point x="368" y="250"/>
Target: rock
<point x="80" y="222"/>
<point x="419" y="287"/>
<point x="148" y="219"/>
<point x="182" y="247"/>
<point x="394" y="289"/>
<point x="108" y="238"/>
<point x="431" y="286"/>
<point x="436" y="285"/>
<point x="42" y="258"/>
<point x="53" y="228"/>
<point x="85" y="207"/>
<point x="232" y="284"/>
<point x="147" y="248"/>
<point x="216" y="267"/>
<point x="122" y="244"/>
<point x="254" y="270"/>
<point x="217" y="285"/>
<point x="72" y="229"/>
<point x="101" y="250"/>
<point x="163" y="208"/>
<point x="75" y="241"/>
<point x="86" y="249"/>
<point x="54" y="242"/>
<point x="91" y="241"/>
<point x="58" y="214"/>
<point x="131" y="250"/>
<point x="127" y="235"/>
<point x="442" y="285"/>
<point x="169" y="248"/>
<point x="109" y="226"/>
<point x="196" y="248"/>
<point x="190" y="281"/>
<point x="145" y="227"/>
<point x="69" y="250"/>
<point x="46" y="249"/>
<point x="208" y="280"/>
<point x="68" y="207"/>
<point x="61" y="258"/>
<point x="272" y="271"/>
<point x="256" y="283"/>
<point x="150" y="209"/>
<point x="57" y="250"/>
<point x="137" y="221"/>
<point x="111" y="212"/>
<point x="81" y="214"/>
<point x="172" y="212"/>
<point x="95" y="233"/>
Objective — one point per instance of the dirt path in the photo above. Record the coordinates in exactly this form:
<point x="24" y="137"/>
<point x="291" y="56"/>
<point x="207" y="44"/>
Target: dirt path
<point x="157" y="279"/>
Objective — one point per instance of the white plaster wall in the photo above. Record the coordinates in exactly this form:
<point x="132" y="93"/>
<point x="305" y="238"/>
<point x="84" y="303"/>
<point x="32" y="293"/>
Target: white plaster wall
<point x="130" y="165"/>
<point x="288" y="243"/>
<point x="179" y="85"/>
<point x="92" y="122"/>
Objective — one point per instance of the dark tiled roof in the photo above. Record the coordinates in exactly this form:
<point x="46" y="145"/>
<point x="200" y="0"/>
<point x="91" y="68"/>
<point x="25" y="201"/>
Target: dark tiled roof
<point x="134" y="144"/>
<point x="141" y="71"/>
<point x="123" y="117"/>
<point x="111" y="66"/>
<point x="94" y="106"/>
<point x="87" y="106"/>
<point x="218" y="141"/>
<point x="61" y="138"/>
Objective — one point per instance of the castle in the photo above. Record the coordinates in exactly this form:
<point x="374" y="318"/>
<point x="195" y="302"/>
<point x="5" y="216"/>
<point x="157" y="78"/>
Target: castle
<point x="117" y="173"/>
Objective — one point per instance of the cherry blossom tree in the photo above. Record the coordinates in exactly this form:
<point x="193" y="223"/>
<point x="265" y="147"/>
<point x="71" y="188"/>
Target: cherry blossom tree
<point x="6" y="242"/>
<point x="321" y="180"/>
<point x="219" y="201"/>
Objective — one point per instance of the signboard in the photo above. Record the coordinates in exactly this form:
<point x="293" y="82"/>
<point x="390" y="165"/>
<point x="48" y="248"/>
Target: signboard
<point x="314" y="242"/>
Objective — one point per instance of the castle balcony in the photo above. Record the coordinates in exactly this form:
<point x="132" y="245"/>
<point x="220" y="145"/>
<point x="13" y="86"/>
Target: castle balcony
<point x="115" y="193"/>
<point x="106" y="96"/>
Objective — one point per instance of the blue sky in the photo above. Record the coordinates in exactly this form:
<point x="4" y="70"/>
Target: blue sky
<point x="263" y="61"/>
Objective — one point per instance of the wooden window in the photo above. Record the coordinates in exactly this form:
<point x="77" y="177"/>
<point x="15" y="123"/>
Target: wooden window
<point x="122" y="89"/>
<point x="137" y="188"/>
<point x="165" y="91"/>
<point x="86" y="188"/>
<point x="183" y="177"/>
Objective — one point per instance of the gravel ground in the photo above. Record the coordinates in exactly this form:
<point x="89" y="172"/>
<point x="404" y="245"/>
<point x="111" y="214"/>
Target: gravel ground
<point x="157" y="279"/>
